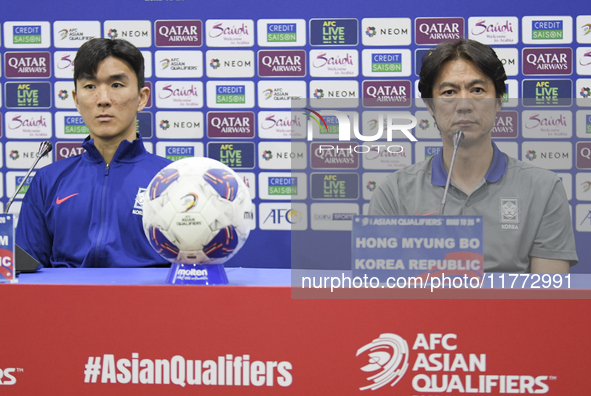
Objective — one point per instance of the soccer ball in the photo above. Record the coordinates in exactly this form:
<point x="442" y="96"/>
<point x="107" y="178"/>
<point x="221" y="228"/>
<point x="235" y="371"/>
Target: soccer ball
<point x="197" y="211"/>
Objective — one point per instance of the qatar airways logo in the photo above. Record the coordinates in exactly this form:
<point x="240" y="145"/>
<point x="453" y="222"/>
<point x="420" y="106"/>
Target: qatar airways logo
<point x="437" y="30"/>
<point x="438" y="367"/>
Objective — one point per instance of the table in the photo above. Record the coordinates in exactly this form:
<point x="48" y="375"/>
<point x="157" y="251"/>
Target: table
<point x="124" y="332"/>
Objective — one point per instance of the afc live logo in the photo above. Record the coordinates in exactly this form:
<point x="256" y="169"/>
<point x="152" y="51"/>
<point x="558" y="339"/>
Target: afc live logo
<point x="333" y="31"/>
<point x="547" y="92"/>
<point x="234" y="155"/>
<point x="28" y="95"/>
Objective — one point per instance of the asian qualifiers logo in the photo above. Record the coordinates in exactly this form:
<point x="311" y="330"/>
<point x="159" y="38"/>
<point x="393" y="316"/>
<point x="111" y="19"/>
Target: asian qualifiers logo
<point x="437" y="365"/>
<point x="388" y="360"/>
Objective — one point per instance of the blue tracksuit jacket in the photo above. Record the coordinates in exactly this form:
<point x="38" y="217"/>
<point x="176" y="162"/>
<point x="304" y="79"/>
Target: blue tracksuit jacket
<point x="79" y="212"/>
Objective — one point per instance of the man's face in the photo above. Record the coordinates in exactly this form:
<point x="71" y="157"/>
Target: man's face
<point x="109" y="101"/>
<point x="464" y="98"/>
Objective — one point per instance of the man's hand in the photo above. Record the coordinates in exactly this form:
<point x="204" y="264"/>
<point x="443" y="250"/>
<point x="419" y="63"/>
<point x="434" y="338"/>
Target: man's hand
<point x="549" y="266"/>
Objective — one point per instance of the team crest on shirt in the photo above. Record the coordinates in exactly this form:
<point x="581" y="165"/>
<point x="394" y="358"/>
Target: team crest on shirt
<point x="138" y="206"/>
<point x="509" y="213"/>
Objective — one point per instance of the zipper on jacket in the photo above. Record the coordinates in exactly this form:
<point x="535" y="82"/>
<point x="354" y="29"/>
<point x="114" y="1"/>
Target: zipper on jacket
<point x="97" y="248"/>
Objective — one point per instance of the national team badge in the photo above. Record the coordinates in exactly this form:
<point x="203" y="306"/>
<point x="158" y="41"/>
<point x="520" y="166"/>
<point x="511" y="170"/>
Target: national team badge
<point x="139" y="200"/>
<point x="509" y="210"/>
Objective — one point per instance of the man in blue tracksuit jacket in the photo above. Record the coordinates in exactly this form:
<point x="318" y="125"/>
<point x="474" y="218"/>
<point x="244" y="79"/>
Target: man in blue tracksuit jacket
<point x="86" y="211"/>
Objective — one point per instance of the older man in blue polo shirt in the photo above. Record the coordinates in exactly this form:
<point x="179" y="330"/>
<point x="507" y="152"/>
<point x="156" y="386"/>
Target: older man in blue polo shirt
<point x="527" y="221"/>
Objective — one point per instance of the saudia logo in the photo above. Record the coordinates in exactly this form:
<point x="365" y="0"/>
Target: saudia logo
<point x="219" y="30"/>
<point x="167" y="92"/>
<point x="273" y="121"/>
<point x="535" y="121"/>
<point x="388" y="360"/>
<point x="482" y="27"/>
<point x="17" y="122"/>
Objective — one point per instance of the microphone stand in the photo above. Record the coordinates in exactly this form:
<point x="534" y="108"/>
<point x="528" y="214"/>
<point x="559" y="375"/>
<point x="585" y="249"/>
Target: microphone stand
<point x="44" y="149"/>
<point x="458" y="136"/>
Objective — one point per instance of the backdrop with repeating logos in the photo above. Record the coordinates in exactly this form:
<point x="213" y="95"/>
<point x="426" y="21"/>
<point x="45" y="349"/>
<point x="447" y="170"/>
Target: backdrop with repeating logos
<point x="224" y="76"/>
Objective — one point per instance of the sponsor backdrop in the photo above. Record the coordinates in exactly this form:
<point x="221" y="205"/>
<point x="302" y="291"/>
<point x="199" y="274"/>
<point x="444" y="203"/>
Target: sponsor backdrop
<point x="224" y="74"/>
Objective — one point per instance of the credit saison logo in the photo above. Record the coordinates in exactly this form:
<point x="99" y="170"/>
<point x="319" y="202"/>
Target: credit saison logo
<point x="333" y="32"/>
<point x="30" y="34"/>
<point x="438" y="367"/>
<point x="386" y="62"/>
<point x="282" y="186"/>
<point x="431" y="151"/>
<point x="223" y="371"/>
<point x="547" y="30"/>
<point x="234" y="155"/>
<point x="547" y="61"/>
<point x="74" y="125"/>
<point x="27" y="64"/>
<point x="230" y="94"/>
<point x="178" y="33"/>
<point x="17" y="182"/>
<point x="175" y="153"/>
<point x="281" y="32"/>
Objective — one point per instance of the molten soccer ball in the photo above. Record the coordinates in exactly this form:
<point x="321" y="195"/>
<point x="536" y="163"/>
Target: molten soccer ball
<point x="197" y="211"/>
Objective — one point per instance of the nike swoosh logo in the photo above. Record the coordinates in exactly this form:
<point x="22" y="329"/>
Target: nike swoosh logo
<point x="59" y="201"/>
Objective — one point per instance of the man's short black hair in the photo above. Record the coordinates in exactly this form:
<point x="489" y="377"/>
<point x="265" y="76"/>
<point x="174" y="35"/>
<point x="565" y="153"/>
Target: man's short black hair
<point x="94" y="51"/>
<point x="481" y="55"/>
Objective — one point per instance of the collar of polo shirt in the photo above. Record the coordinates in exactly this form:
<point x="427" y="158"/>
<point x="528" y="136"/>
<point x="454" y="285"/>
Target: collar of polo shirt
<point x="497" y="169"/>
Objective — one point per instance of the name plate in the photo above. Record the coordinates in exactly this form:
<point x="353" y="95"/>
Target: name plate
<point x="7" y="271"/>
<point x="415" y="246"/>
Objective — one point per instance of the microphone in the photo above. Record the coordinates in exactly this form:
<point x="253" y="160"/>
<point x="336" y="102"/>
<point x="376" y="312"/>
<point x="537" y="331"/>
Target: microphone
<point x="458" y="136"/>
<point x="44" y="149"/>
